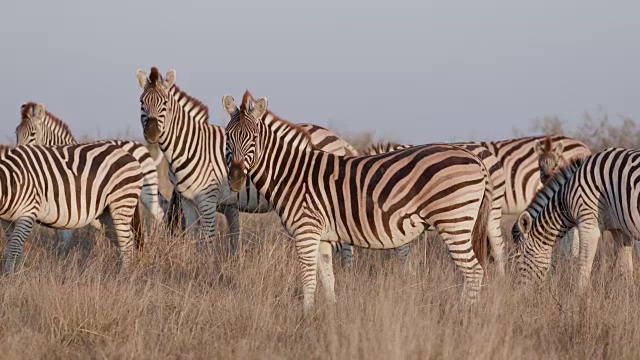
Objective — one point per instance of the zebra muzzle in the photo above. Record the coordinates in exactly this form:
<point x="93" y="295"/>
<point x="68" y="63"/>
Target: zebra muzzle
<point x="151" y="130"/>
<point x="237" y="176"/>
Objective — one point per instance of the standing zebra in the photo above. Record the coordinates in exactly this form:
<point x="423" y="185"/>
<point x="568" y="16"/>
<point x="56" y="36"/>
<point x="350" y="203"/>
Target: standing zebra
<point x="178" y="123"/>
<point x="40" y="127"/>
<point x="68" y="187"/>
<point x="496" y="172"/>
<point x="596" y="193"/>
<point x="378" y="202"/>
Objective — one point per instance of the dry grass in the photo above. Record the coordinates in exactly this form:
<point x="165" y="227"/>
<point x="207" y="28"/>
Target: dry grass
<point x="179" y="302"/>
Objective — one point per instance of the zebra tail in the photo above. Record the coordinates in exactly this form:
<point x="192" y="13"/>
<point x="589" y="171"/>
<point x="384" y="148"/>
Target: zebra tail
<point x="175" y="215"/>
<point x="138" y="229"/>
<point x="480" y="228"/>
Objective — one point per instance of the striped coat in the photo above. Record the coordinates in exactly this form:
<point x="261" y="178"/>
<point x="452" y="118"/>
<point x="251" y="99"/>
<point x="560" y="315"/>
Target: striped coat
<point x="378" y="202"/>
<point x="195" y="150"/>
<point x="597" y="193"/>
<point x="68" y="187"/>
<point x="40" y="127"/>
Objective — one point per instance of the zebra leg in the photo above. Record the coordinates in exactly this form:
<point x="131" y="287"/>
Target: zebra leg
<point x="65" y="239"/>
<point x="325" y="271"/>
<point x="346" y="255"/>
<point x="121" y="216"/>
<point x="307" y="243"/>
<point x="461" y="251"/>
<point x="570" y="244"/>
<point x="207" y="204"/>
<point x="496" y="241"/>
<point x="402" y="252"/>
<point x="149" y="196"/>
<point x="624" y="253"/>
<point x="589" y="237"/>
<point x="232" y="214"/>
<point x="22" y="228"/>
<point x="191" y="215"/>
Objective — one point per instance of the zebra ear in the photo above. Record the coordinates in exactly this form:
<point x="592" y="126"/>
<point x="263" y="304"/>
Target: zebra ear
<point x="142" y="78"/>
<point x="170" y="78"/>
<point x="524" y="222"/>
<point x="259" y="108"/>
<point x="229" y="104"/>
<point x="538" y="147"/>
<point x="559" y="148"/>
<point x="39" y="112"/>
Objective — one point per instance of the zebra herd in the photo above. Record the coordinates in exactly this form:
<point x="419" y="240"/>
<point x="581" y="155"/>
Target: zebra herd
<point x="328" y="195"/>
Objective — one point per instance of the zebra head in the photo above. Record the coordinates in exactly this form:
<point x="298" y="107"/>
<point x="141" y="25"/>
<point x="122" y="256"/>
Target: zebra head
<point x="530" y="255"/>
<point x="30" y="130"/>
<point x="550" y="159"/>
<point x="154" y="102"/>
<point x="242" y="136"/>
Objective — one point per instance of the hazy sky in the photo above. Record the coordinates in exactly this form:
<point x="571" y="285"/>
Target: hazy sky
<point x="417" y="71"/>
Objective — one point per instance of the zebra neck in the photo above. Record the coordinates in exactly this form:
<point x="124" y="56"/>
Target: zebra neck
<point x="181" y="137"/>
<point x="552" y="222"/>
<point x="55" y="133"/>
<point x="282" y="166"/>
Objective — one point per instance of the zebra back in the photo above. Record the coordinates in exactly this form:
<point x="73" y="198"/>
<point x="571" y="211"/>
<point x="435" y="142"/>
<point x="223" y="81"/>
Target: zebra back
<point x="40" y="127"/>
<point x="519" y="160"/>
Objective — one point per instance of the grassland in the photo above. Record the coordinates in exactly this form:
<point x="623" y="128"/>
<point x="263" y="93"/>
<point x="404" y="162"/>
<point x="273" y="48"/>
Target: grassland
<point x="180" y="301"/>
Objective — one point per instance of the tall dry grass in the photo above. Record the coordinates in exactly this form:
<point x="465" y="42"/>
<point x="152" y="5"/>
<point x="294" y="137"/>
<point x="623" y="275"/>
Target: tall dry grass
<point x="179" y="301"/>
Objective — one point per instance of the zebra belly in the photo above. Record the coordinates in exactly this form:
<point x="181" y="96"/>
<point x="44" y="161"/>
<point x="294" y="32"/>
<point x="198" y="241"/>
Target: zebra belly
<point x="65" y="218"/>
<point x="410" y="228"/>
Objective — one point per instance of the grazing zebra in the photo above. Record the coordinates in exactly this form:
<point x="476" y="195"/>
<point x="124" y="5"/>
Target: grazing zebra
<point x="68" y="187"/>
<point x="378" y="202"/>
<point x="40" y="127"/>
<point x="520" y="163"/>
<point x="595" y="193"/>
<point x="496" y="172"/>
<point x="178" y="123"/>
<point x="551" y="158"/>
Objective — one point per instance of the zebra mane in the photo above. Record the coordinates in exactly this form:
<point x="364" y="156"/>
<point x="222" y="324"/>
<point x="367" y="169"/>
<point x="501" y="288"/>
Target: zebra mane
<point x="274" y="121"/>
<point x="382" y="147"/>
<point x="4" y="150"/>
<point x="547" y="144"/>
<point x="50" y="120"/>
<point x="196" y="108"/>
<point x="552" y="185"/>
<point x="154" y="76"/>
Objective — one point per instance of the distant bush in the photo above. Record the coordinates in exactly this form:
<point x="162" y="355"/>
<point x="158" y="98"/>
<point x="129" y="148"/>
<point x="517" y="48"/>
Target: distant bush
<point x="598" y="131"/>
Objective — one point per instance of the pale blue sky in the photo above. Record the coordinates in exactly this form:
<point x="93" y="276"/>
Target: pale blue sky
<point x="417" y="71"/>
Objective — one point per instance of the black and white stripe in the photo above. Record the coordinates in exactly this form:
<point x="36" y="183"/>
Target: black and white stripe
<point x="521" y="166"/>
<point x="496" y="240"/>
<point x="40" y="127"/>
<point x="178" y="123"/>
<point x="69" y="187"/>
<point x="378" y="202"/>
<point x="595" y="193"/>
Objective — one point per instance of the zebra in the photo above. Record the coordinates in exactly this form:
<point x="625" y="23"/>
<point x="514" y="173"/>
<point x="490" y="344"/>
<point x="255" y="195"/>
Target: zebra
<point x="378" y="202"/>
<point x="496" y="172"/>
<point x="595" y="193"/>
<point x="178" y="123"/>
<point x="551" y="158"/>
<point x="69" y="187"/>
<point x="40" y="127"/>
<point x="520" y="162"/>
